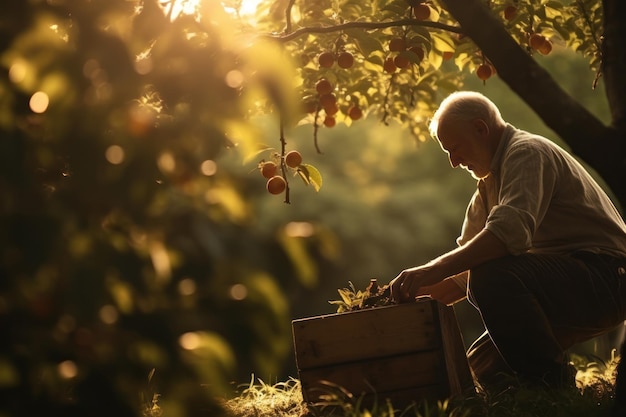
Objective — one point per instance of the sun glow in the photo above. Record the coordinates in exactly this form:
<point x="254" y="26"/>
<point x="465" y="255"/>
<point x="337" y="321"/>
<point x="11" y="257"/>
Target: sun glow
<point x="174" y="9"/>
<point x="244" y="8"/>
<point x="248" y="7"/>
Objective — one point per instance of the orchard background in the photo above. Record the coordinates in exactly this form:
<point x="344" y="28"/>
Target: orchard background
<point x="140" y="252"/>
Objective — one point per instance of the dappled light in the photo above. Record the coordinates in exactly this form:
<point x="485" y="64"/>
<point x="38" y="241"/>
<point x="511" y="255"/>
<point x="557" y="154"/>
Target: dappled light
<point x="174" y="9"/>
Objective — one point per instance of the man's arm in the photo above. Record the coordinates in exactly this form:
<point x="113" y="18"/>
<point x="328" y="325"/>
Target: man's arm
<point x="485" y="246"/>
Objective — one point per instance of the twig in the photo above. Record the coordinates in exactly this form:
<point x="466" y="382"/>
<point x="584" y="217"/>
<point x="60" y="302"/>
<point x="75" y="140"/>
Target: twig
<point x="316" y="129"/>
<point x="360" y="25"/>
<point x="386" y="99"/>
<point x="288" y="16"/>
<point x="283" y="146"/>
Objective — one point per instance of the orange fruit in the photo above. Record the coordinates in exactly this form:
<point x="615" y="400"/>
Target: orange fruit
<point x="293" y="159"/>
<point x="327" y="100"/>
<point x="401" y="61"/>
<point x="397" y="45"/>
<point x="330" y="121"/>
<point x="332" y="109"/>
<point x="345" y="60"/>
<point x="484" y="71"/>
<point x="323" y="86"/>
<point x="417" y="50"/>
<point x="355" y="113"/>
<point x="545" y="48"/>
<point x="389" y="66"/>
<point x="510" y="12"/>
<point x="536" y="41"/>
<point x="276" y="185"/>
<point x="268" y="169"/>
<point x="326" y="59"/>
<point x="421" y="11"/>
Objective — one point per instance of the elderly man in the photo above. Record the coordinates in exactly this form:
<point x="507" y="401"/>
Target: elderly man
<point x="542" y="251"/>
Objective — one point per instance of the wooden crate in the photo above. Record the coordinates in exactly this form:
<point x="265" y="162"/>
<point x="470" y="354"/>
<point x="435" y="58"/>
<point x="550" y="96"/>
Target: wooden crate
<point x="406" y="352"/>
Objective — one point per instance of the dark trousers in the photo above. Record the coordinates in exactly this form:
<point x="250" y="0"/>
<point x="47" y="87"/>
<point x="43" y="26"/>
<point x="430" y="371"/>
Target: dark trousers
<point x="535" y="307"/>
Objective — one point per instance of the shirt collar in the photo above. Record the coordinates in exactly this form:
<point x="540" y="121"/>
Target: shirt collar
<point x="496" y="161"/>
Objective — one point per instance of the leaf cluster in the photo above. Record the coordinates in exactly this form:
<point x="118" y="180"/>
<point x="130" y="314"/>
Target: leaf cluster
<point x="353" y="299"/>
<point x="409" y="95"/>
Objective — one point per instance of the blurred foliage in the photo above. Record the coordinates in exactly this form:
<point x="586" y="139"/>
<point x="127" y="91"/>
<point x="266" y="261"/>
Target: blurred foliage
<point x="138" y="255"/>
<point x="122" y="246"/>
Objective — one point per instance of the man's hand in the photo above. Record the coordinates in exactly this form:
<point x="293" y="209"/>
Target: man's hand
<point x="405" y="287"/>
<point x="484" y="247"/>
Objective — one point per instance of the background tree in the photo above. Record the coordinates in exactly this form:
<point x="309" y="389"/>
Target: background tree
<point x="128" y="244"/>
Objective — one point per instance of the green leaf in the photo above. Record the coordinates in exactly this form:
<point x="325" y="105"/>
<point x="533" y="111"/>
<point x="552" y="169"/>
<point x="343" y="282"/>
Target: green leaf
<point x="310" y="175"/>
<point x="366" y="43"/>
<point x="442" y="42"/>
<point x="345" y="295"/>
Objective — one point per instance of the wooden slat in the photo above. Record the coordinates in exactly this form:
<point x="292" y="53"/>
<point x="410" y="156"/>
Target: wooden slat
<point x="384" y="375"/>
<point x="365" y="334"/>
<point x="458" y="371"/>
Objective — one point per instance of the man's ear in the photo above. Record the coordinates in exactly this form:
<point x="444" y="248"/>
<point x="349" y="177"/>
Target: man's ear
<point x="481" y="127"/>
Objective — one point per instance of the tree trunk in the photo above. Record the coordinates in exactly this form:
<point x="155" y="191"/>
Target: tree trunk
<point x="614" y="60"/>
<point x="602" y="147"/>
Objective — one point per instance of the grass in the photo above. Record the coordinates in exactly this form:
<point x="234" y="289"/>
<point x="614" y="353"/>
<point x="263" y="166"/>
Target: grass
<point x="593" y="398"/>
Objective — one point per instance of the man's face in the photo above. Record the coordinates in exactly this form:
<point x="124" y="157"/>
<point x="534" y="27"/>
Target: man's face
<point x="467" y="146"/>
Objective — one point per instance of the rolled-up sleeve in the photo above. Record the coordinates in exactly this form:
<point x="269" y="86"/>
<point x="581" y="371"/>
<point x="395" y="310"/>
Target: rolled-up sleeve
<point x="512" y="226"/>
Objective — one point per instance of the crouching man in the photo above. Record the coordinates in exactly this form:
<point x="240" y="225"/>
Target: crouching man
<point x="542" y="252"/>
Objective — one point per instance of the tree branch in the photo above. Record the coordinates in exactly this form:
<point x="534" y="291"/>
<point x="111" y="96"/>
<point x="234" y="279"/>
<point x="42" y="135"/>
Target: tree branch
<point x="288" y="16"/>
<point x="614" y="60"/>
<point x="286" y="36"/>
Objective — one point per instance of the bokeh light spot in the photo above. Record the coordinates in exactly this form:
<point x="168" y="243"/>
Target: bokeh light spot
<point x="166" y="162"/>
<point x="143" y="65"/>
<point x="39" y="102"/>
<point x="67" y="369"/>
<point x="108" y="314"/>
<point x="189" y="341"/>
<point x="299" y="229"/>
<point x="234" y="79"/>
<point x="208" y="168"/>
<point x="238" y="292"/>
<point x="91" y="68"/>
<point x="17" y="72"/>
<point x="187" y="286"/>
<point x="115" y="154"/>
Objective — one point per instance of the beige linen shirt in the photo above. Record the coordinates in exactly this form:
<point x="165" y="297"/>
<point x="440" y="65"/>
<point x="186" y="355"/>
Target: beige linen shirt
<point x="538" y="198"/>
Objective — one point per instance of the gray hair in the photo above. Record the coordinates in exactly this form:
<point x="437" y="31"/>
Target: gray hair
<point x="465" y="106"/>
